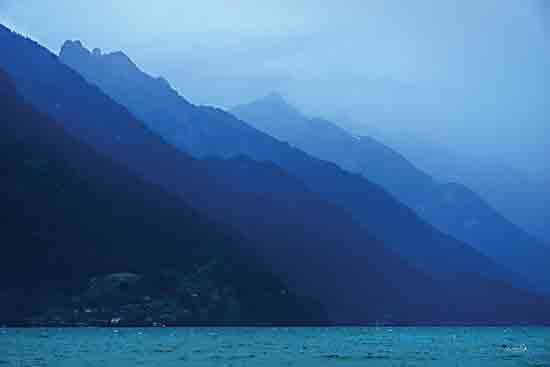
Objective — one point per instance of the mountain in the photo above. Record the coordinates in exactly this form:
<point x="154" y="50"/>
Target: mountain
<point x="77" y="225"/>
<point x="326" y="140"/>
<point x="286" y="222"/>
<point x="217" y="133"/>
<point x="206" y="131"/>
<point x="521" y="197"/>
<point x="452" y="208"/>
<point x="313" y="244"/>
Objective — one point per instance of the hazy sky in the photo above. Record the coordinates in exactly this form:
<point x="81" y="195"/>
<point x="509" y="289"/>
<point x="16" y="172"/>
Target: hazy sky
<point x="473" y="74"/>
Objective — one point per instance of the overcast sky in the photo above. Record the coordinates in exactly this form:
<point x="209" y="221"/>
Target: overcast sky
<point x="473" y="74"/>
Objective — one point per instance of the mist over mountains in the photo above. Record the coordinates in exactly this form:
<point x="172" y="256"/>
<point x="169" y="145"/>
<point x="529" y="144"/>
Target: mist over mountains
<point x="520" y="197"/>
<point x="472" y="74"/>
<point x="452" y="208"/>
<point x="72" y="217"/>
<point x="332" y="223"/>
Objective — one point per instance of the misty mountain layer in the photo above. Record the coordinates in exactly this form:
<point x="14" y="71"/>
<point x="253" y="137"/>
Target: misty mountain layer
<point x="205" y="131"/>
<point x="71" y="216"/>
<point x="524" y="199"/>
<point x="300" y="217"/>
<point x="452" y="208"/>
<point x="309" y="243"/>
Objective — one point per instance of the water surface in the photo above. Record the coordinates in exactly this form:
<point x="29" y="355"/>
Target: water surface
<point x="275" y="347"/>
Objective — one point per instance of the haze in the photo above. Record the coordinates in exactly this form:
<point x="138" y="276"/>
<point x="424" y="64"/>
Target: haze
<point x="472" y="75"/>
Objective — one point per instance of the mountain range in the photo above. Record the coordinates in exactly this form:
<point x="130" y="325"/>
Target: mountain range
<point x="522" y="197"/>
<point x="71" y="215"/>
<point x="451" y="207"/>
<point x="329" y="235"/>
<point x="211" y="132"/>
<point x="216" y="133"/>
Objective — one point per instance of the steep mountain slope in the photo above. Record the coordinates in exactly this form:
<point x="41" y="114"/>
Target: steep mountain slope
<point x="287" y="222"/>
<point x="525" y="200"/>
<point x="324" y="139"/>
<point x="315" y="246"/>
<point x="451" y="208"/>
<point x="205" y="131"/>
<point x="69" y="215"/>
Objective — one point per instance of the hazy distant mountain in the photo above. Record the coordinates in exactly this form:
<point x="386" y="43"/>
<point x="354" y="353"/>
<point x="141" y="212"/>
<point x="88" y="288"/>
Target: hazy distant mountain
<point x="315" y="246"/>
<point x="324" y="139"/>
<point x="524" y="199"/>
<point x="216" y="133"/>
<point x="452" y="208"/>
<point x="223" y="135"/>
<point x="303" y="239"/>
<point x="70" y="215"/>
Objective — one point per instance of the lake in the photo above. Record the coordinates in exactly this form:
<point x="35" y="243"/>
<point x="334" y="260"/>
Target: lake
<point x="383" y="346"/>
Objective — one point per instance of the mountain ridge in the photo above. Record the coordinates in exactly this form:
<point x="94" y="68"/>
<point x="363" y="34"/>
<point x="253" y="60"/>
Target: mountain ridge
<point x="288" y="223"/>
<point x="451" y="207"/>
<point x="72" y="216"/>
<point x="218" y="133"/>
<point x="95" y="118"/>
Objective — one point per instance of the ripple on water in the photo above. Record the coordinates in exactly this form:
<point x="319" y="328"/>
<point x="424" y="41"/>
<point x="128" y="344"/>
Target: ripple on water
<point x="277" y="347"/>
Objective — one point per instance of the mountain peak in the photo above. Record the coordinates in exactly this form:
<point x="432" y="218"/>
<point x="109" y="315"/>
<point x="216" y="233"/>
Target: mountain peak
<point x="276" y="103"/>
<point x="74" y="48"/>
<point x="273" y="104"/>
<point x="274" y="98"/>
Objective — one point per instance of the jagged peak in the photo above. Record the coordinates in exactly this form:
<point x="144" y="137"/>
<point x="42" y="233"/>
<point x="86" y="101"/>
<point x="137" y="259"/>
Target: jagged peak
<point x="70" y="49"/>
<point x="73" y="46"/>
<point x="76" y="55"/>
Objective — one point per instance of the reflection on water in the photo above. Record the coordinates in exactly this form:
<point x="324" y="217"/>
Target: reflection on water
<point x="276" y="347"/>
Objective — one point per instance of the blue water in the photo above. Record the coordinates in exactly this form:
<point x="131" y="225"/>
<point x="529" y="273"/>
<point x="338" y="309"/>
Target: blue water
<point x="276" y="347"/>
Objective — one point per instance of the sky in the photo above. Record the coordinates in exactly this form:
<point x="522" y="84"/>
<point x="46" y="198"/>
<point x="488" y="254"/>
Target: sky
<point x="470" y="74"/>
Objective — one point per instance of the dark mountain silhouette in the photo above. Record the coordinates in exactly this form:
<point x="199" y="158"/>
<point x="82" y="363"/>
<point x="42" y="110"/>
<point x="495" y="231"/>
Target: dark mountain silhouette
<point x="451" y="208"/>
<point x="205" y="131"/>
<point x="290" y="230"/>
<point x="314" y="245"/>
<point x="70" y="215"/>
